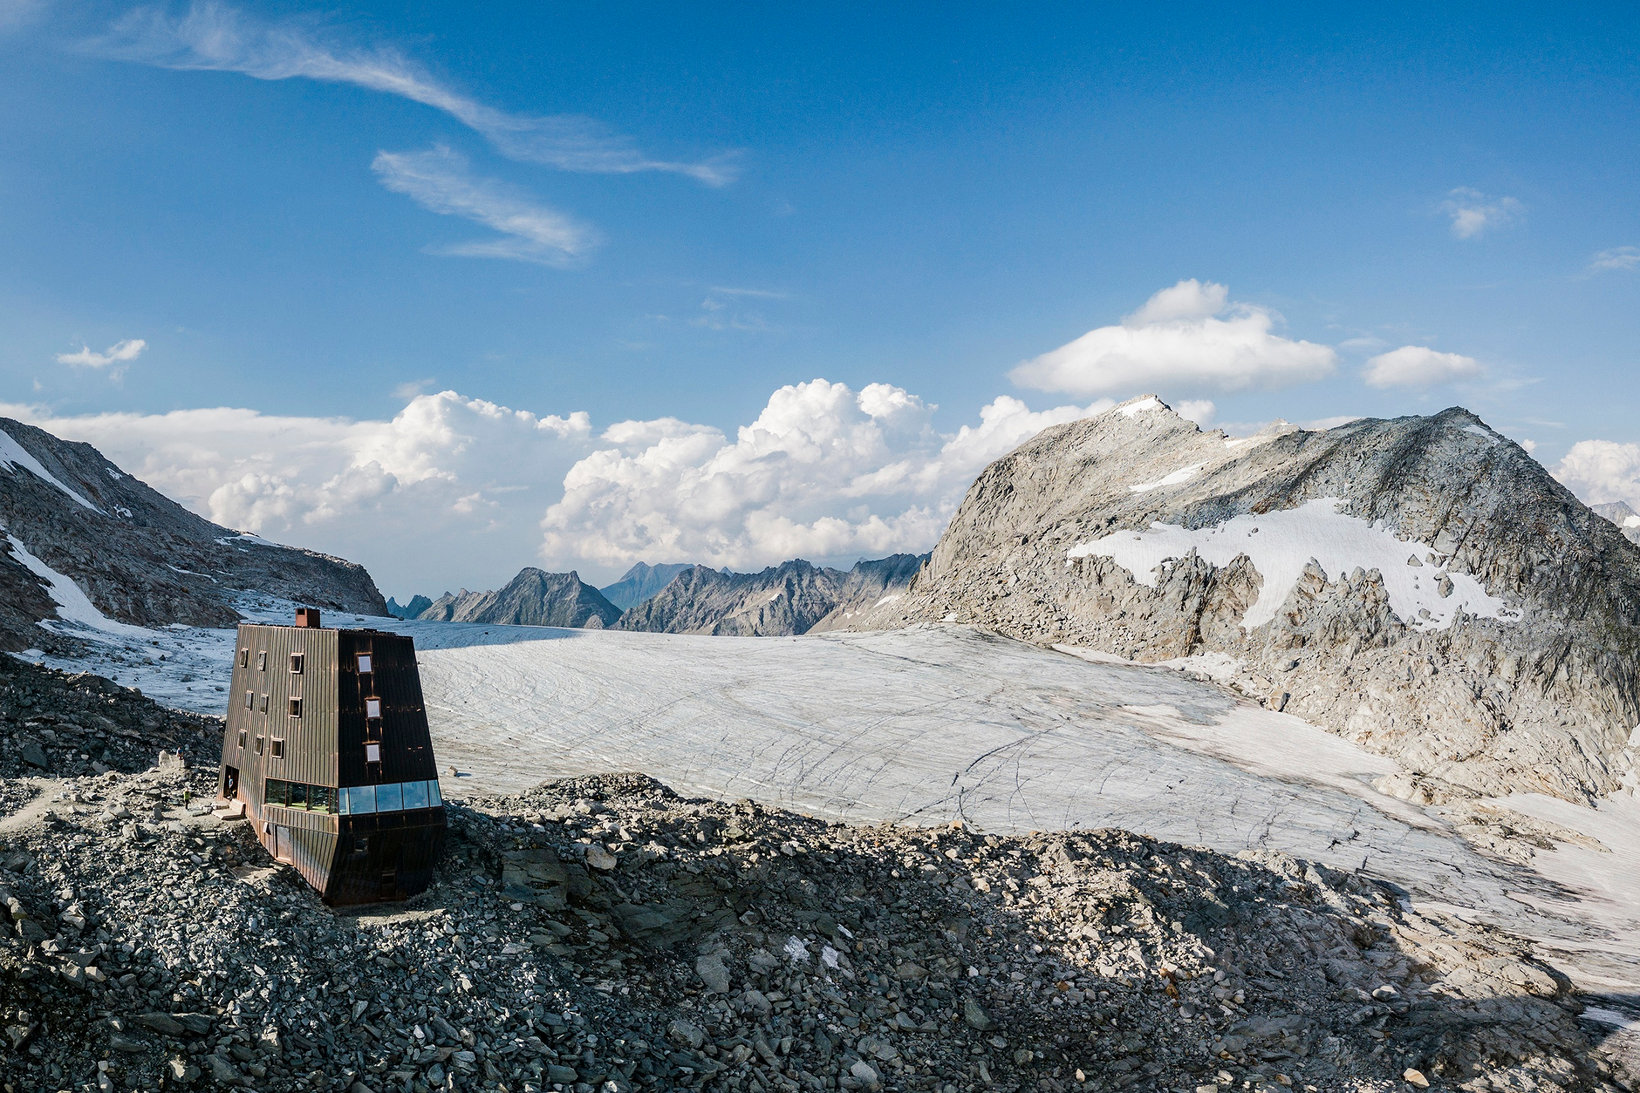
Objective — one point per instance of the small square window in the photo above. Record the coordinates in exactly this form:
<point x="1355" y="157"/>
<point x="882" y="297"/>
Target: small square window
<point x="296" y="664"/>
<point x="241" y="738"/>
<point x="364" y="664"/>
<point x="372" y="753"/>
<point x="250" y="699"/>
<point x="278" y="748"/>
<point x="259" y="745"/>
<point x="295" y="707"/>
<point x="262" y="661"/>
<point x="244" y="658"/>
<point x="372" y="707"/>
<point x="264" y="703"/>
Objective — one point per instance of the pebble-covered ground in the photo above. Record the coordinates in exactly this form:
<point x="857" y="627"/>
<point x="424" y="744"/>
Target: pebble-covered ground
<point x="604" y="934"/>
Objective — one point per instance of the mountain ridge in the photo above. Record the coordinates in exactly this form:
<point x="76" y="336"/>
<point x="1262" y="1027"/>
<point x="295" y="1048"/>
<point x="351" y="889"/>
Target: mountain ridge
<point x="82" y="536"/>
<point x="1485" y="637"/>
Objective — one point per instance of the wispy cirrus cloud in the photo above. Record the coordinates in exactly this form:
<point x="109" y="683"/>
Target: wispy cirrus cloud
<point x="1616" y="258"/>
<point x="213" y="36"/>
<point x="440" y="181"/>
<point x="115" y="358"/>
<point x="1474" y="213"/>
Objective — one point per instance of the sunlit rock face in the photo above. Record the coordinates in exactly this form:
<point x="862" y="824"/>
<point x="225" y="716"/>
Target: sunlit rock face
<point x="1420" y="585"/>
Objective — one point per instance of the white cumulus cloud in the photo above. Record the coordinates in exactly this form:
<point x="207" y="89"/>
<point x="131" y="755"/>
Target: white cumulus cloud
<point x="1601" y="471"/>
<point x="118" y="354"/>
<point x="439" y="180"/>
<point x="1418" y="366"/>
<point x="1474" y="214"/>
<point x="825" y="472"/>
<point x="449" y="487"/>
<point x="1616" y="258"/>
<point x="217" y="37"/>
<point x="1185" y="339"/>
<point x="451" y="490"/>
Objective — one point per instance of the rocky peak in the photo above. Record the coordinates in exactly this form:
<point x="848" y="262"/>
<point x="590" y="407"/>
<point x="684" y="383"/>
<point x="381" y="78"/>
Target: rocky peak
<point x="1419" y="584"/>
<point x="532" y="598"/>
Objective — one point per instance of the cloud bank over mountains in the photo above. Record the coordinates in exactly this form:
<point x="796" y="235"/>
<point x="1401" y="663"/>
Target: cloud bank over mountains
<point x="458" y="485"/>
<point x="460" y="488"/>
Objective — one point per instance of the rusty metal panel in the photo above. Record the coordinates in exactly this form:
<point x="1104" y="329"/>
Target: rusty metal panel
<point x="407" y="745"/>
<point x="349" y="859"/>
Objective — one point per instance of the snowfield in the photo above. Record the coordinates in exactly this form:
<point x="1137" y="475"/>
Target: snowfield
<point x="1281" y="543"/>
<point x="941" y="723"/>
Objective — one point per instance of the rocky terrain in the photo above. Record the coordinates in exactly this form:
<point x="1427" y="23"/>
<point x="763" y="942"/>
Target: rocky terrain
<point x="533" y="598"/>
<point x="83" y="537"/>
<point x="1624" y="516"/>
<point x="1419" y="585"/>
<point x="640" y="583"/>
<point x="605" y="934"/>
<point x="791" y="598"/>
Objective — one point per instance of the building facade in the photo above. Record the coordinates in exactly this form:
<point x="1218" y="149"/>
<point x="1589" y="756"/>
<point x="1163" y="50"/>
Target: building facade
<point x="328" y="747"/>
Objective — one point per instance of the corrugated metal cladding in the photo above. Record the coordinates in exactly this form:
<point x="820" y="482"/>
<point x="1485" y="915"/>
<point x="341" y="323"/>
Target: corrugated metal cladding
<point x="407" y="744"/>
<point x="357" y="859"/>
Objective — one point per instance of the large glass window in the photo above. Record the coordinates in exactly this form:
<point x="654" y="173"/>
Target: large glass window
<point x="389" y="798"/>
<point x="434" y="797"/>
<point x="415" y="794"/>
<point x="361" y="800"/>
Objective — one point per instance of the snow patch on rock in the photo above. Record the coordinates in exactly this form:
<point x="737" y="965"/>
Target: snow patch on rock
<point x="1280" y="544"/>
<point x="13" y="455"/>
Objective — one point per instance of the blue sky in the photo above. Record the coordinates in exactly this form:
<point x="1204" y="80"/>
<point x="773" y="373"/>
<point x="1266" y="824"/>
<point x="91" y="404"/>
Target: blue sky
<point x="312" y="219"/>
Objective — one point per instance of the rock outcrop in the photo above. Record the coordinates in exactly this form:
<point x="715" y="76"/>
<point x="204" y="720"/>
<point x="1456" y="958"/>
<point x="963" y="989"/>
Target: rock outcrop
<point x="533" y="598"/>
<point x="1624" y="516"/>
<point x="791" y="598"/>
<point x="83" y="538"/>
<point x="410" y="610"/>
<point x="606" y="934"/>
<point x="1419" y="585"/>
<point x="641" y="582"/>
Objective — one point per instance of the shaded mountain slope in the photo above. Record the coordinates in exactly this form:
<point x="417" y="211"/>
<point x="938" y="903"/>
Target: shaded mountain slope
<point x="77" y="528"/>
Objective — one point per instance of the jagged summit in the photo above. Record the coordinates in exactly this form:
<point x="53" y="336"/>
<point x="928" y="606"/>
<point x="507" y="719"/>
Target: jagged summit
<point x="1624" y="516"/>
<point x="533" y="598"/>
<point x="1419" y="584"/>
<point x="641" y="582"/>
<point x="83" y="539"/>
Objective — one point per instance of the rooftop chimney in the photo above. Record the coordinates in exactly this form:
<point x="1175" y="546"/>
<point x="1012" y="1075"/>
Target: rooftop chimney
<point x="307" y="617"/>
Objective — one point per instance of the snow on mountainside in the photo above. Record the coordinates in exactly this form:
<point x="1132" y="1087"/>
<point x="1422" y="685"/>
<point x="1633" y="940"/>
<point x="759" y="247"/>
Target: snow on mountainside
<point x="1621" y="514"/>
<point x="84" y="542"/>
<point x="794" y="597"/>
<point x="533" y="598"/>
<point x="641" y="582"/>
<point x="1419" y="585"/>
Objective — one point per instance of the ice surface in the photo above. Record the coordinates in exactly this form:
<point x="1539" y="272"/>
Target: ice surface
<point x="937" y="723"/>
<point x="13" y="454"/>
<point x="1281" y="543"/>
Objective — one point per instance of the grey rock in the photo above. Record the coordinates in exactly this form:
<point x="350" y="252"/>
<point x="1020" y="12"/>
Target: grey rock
<point x="532" y="598"/>
<point x="1540" y="700"/>
<point x="712" y="972"/>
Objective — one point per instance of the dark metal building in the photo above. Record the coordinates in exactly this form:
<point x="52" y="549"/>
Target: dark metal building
<point x="327" y="746"/>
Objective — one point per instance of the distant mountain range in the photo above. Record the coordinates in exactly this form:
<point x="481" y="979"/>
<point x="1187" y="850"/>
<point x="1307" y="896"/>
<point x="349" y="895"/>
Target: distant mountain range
<point x="410" y="610"/>
<point x="533" y="598"/>
<point x="82" y="539"/>
<point x="1626" y="519"/>
<point x="792" y="598"/>
<point x="641" y="582"/>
